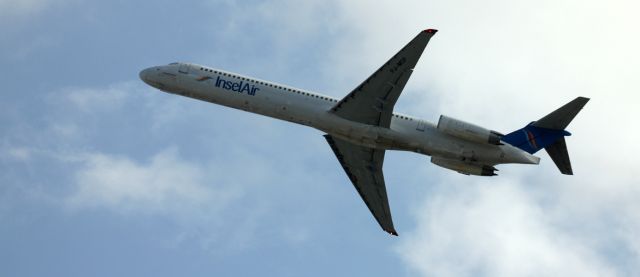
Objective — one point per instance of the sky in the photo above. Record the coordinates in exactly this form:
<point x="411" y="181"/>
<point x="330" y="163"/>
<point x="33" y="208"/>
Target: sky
<point x="102" y="175"/>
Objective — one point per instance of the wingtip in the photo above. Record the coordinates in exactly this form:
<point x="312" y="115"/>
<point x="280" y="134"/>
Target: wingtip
<point x="393" y="232"/>
<point x="584" y="99"/>
<point x="431" y="31"/>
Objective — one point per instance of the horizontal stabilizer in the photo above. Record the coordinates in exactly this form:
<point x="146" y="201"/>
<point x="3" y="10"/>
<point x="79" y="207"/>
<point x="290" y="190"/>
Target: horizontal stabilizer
<point x="560" y="118"/>
<point x="560" y="156"/>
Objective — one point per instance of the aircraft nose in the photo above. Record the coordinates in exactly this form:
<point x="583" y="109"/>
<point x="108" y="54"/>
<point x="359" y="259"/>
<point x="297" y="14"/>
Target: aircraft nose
<point x="144" y="75"/>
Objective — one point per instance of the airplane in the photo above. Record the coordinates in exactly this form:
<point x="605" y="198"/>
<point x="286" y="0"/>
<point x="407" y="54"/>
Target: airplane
<point x="360" y="127"/>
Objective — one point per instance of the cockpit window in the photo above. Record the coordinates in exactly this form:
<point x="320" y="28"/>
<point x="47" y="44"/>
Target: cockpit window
<point x="173" y="63"/>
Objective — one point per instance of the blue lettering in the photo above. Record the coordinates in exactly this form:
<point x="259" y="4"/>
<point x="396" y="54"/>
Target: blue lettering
<point x="240" y="87"/>
<point x="246" y="88"/>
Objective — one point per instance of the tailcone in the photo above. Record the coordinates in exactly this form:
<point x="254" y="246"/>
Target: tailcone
<point x="516" y="155"/>
<point x="531" y="159"/>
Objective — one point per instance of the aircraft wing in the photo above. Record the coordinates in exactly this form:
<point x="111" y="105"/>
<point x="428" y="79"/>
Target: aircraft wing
<point x="363" y="165"/>
<point x="372" y="101"/>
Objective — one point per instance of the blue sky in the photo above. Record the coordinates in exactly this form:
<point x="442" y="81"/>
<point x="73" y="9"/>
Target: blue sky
<point x="102" y="175"/>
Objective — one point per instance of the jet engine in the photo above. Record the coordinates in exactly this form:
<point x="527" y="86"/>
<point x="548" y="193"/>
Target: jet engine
<point x="468" y="131"/>
<point x="465" y="168"/>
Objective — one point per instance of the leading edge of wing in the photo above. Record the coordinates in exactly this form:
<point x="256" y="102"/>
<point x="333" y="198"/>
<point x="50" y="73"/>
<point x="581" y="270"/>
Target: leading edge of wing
<point x="373" y="100"/>
<point x="363" y="166"/>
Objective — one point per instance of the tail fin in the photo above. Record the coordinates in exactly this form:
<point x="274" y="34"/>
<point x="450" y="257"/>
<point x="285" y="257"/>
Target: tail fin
<point x="549" y="133"/>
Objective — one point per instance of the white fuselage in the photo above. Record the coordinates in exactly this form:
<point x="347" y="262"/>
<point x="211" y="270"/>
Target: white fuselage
<point x="312" y="109"/>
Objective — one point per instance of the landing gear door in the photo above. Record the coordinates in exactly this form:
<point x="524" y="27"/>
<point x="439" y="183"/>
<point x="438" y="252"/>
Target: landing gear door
<point x="184" y="68"/>
<point x="420" y="126"/>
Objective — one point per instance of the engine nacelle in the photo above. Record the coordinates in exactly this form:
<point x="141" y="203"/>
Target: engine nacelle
<point x="465" y="168"/>
<point x="468" y="131"/>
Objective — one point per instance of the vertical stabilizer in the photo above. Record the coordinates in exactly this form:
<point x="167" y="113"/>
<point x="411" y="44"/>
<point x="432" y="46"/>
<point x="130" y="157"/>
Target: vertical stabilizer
<point x="549" y="133"/>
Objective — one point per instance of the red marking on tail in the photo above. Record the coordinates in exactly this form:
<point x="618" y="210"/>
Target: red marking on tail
<point x="532" y="140"/>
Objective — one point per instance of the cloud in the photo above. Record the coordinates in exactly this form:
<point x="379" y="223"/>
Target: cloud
<point x="493" y="63"/>
<point x="134" y="152"/>
<point x="502" y="65"/>
<point x="14" y="7"/>
<point x="495" y="228"/>
<point x="74" y="114"/>
<point x="17" y="153"/>
<point x="164" y="185"/>
<point x="23" y="8"/>
<point x="493" y="50"/>
<point x="88" y="99"/>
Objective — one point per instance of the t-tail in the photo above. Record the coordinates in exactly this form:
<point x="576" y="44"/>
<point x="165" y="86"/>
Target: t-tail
<point x="549" y="133"/>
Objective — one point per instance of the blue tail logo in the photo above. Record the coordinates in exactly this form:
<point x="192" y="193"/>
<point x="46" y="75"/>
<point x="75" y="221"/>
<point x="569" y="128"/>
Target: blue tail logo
<point x="532" y="138"/>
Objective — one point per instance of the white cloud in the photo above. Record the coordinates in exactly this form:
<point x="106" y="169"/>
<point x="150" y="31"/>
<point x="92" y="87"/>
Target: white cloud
<point x="219" y="203"/>
<point x="18" y="153"/>
<point x="203" y="196"/>
<point x="494" y="227"/>
<point x="494" y="63"/>
<point x="88" y="99"/>
<point x="164" y="185"/>
<point x="20" y="7"/>
<point x="23" y="8"/>
<point x="502" y="65"/>
<point x="519" y="52"/>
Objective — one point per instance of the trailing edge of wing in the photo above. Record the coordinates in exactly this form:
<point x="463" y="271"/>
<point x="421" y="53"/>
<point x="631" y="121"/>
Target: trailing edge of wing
<point x="372" y="101"/>
<point x="364" y="168"/>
